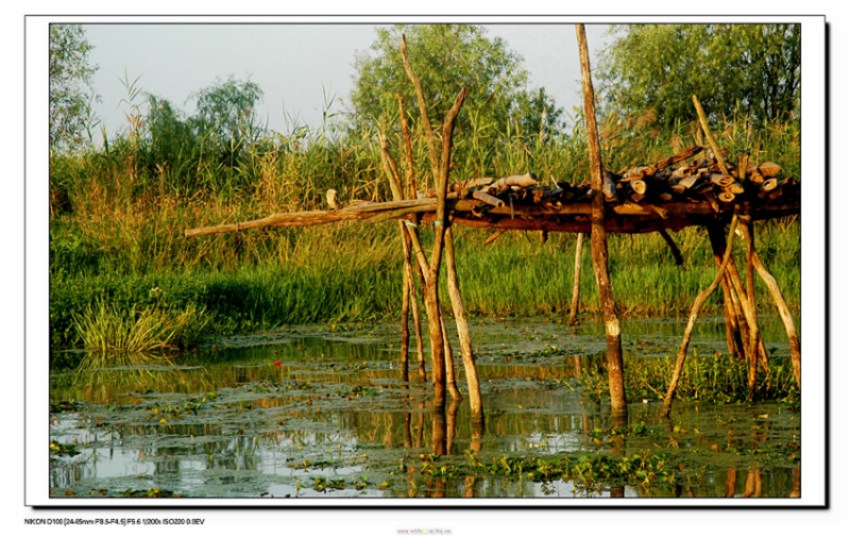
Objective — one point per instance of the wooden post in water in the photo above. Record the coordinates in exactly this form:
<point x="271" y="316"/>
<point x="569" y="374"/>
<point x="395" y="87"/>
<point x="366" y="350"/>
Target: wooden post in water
<point x="599" y="241"/>
<point x="692" y="319"/>
<point x="752" y="351"/>
<point x="440" y="164"/>
<point x="784" y="313"/>
<point x="405" y="308"/>
<point x="409" y="192"/>
<point x="576" y="280"/>
<point x="462" y="322"/>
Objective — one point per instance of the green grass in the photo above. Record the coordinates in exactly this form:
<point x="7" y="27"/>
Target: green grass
<point x="118" y="216"/>
<point x="353" y="273"/>
<point x="107" y="328"/>
<point x="710" y="378"/>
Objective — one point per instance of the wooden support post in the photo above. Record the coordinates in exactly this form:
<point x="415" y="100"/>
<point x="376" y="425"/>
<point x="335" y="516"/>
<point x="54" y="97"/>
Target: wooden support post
<point x="784" y="314"/>
<point x="739" y="311"/>
<point x="413" y="302"/>
<point x="462" y="322"/>
<point x="405" y="307"/>
<point x="700" y="300"/>
<point x="393" y="177"/>
<point x="754" y="346"/>
<point x="752" y="351"/>
<point x="674" y="248"/>
<point x="599" y="241"/>
<point x="736" y="334"/>
<point x="745" y="313"/>
<point x="417" y="327"/>
<point x="574" y="303"/>
<point x="408" y="190"/>
<point x="440" y="170"/>
<point x="451" y="381"/>
<point x="703" y="120"/>
<point x="733" y="332"/>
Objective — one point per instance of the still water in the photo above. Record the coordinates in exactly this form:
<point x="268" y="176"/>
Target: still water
<point x="321" y="411"/>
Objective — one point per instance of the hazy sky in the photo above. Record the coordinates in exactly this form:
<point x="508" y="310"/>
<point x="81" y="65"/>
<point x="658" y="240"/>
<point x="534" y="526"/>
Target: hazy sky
<point x="292" y="63"/>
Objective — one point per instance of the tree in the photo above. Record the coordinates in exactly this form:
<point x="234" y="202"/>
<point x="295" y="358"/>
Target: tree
<point x="447" y="57"/>
<point x="749" y="69"/>
<point x="225" y="117"/>
<point x="71" y="95"/>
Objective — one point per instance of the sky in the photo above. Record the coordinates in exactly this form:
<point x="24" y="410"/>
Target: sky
<point x="299" y="67"/>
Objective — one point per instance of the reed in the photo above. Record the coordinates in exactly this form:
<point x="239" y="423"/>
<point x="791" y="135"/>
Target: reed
<point x="118" y="214"/>
<point x="107" y="329"/>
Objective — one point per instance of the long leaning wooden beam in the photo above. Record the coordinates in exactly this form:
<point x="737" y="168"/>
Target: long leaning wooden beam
<point x="635" y="218"/>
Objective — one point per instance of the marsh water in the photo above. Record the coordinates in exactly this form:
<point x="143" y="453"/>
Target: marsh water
<point x="322" y="411"/>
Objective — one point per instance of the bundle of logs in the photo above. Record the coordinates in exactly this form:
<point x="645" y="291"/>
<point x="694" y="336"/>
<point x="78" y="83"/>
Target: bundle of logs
<point x="697" y="181"/>
<point x="677" y="192"/>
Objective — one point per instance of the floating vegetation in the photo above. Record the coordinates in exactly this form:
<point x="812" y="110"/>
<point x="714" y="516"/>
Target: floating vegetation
<point x="149" y="493"/>
<point x="64" y="450"/>
<point x="244" y="428"/>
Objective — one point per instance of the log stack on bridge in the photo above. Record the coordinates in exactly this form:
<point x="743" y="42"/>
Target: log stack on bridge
<point x="680" y="191"/>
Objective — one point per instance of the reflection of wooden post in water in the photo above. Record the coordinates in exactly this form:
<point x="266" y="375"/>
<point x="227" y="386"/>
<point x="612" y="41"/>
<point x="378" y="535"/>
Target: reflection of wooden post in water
<point x="475" y="444"/>
<point x="420" y="433"/>
<point x="577" y="366"/>
<point x="795" y="491"/>
<point x="731" y="482"/>
<point x="599" y="241"/>
<point x="451" y="424"/>
<point x="438" y="430"/>
<point x="408" y="437"/>
<point x="437" y="488"/>
<point x="388" y="434"/>
<point x="753" y="487"/>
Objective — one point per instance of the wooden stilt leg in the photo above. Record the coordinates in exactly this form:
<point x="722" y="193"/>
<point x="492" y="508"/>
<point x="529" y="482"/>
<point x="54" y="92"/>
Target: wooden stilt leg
<point x="700" y="300"/>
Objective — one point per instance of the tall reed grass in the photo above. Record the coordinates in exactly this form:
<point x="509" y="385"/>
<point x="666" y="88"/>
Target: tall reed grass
<point x="106" y="328"/>
<point x="118" y="214"/>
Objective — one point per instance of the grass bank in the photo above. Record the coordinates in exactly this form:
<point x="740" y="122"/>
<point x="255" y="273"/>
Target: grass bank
<point x="353" y="273"/>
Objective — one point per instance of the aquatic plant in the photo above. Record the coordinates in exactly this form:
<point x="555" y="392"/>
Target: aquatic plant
<point x="109" y="329"/>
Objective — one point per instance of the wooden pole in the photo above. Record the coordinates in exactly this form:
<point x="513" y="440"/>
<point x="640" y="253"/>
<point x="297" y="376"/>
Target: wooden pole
<point x="700" y="300"/>
<point x="784" y="313"/>
<point x="746" y="313"/>
<point x="752" y="352"/>
<point x="703" y="120"/>
<point x="393" y="177"/>
<point x="408" y="190"/>
<point x="599" y="241"/>
<point x="576" y="280"/>
<point x="755" y="347"/>
<point x="405" y="308"/>
<point x="732" y="331"/>
<point x="674" y="248"/>
<point x="448" y="355"/>
<point x="432" y="301"/>
<point x="734" y="318"/>
<point x="739" y="312"/>
<point x="462" y="322"/>
<point x="423" y="110"/>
